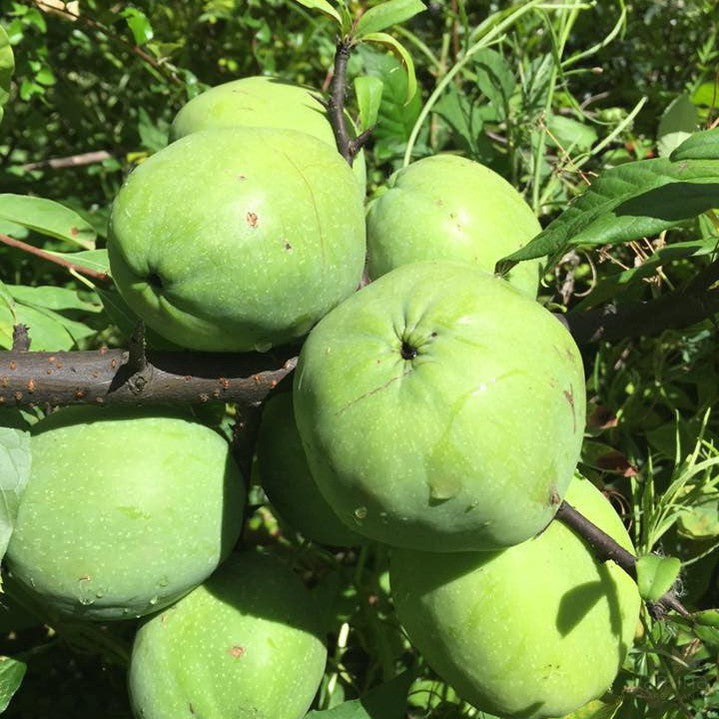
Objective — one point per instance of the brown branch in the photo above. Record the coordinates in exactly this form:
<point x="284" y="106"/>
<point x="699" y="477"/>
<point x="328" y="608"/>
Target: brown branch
<point x="60" y="163"/>
<point x="605" y="548"/>
<point x="108" y="377"/>
<point x="336" y="103"/>
<point x="673" y="310"/>
<point x="50" y="257"/>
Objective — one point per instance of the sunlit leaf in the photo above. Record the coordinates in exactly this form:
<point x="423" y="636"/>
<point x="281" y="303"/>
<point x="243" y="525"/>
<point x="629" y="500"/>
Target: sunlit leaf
<point x="677" y="123"/>
<point x="12" y="672"/>
<point x="139" y="25"/>
<point x="7" y="66"/>
<point x="387" y="14"/>
<point x="656" y="575"/>
<point x="48" y="218"/>
<point x="628" y="202"/>
<point x="383" y="38"/>
<point x="324" y="7"/>
<point x="368" y="91"/>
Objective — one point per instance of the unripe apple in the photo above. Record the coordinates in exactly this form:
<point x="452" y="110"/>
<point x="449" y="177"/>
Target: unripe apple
<point x="125" y="511"/>
<point x="441" y="409"/>
<point x="261" y="101"/>
<point x="237" y="241"/>
<point x="287" y="480"/>
<point x="536" y="630"/>
<point x="246" y="643"/>
<point x="447" y="207"/>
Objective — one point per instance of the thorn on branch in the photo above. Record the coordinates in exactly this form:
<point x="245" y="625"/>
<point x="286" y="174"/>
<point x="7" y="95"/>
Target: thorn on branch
<point x="20" y="338"/>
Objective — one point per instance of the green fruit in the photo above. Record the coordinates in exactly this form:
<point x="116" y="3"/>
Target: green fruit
<point x="441" y="409"/>
<point x="287" y="480"/>
<point x="227" y="241"/>
<point x="536" y="630"/>
<point x="448" y="207"/>
<point x="260" y="102"/>
<point x="118" y="518"/>
<point x="244" y="644"/>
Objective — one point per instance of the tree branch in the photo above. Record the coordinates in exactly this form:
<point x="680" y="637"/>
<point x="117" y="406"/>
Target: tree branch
<point x="336" y="103"/>
<point x="114" y="377"/>
<point x="605" y="548"/>
<point x="50" y="257"/>
<point x="674" y="310"/>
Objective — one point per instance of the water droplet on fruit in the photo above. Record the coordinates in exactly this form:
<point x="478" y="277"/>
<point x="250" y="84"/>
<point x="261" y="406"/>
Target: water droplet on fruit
<point x="99" y="593"/>
<point x="163" y="582"/>
<point x="360" y="513"/>
<point x="85" y="601"/>
<point x="154" y="600"/>
<point x="263" y="346"/>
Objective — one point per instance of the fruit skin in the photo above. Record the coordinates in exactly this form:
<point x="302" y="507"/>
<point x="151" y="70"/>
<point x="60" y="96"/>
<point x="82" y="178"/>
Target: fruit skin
<point x="260" y="101"/>
<point x="471" y="444"/>
<point x="287" y="480"/>
<point x="244" y="644"/>
<point x="118" y="519"/>
<point x="448" y="207"/>
<point x="227" y="241"/>
<point x="536" y="630"/>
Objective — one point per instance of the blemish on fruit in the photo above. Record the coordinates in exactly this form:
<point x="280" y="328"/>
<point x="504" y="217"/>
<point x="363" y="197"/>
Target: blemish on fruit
<point x="288" y="246"/>
<point x="252" y="219"/>
<point x="569" y="396"/>
<point x="84" y="578"/>
<point x="236" y="651"/>
<point x="554" y="497"/>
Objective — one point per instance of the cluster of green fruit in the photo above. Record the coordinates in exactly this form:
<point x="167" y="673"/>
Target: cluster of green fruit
<point x="439" y="410"/>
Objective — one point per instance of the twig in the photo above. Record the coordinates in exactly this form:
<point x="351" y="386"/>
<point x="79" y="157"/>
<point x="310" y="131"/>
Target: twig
<point x="20" y="338"/>
<point x="50" y="257"/>
<point x="673" y="310"/>
<point x="107" y="377"/>
<point x="605" y="548"/>
<point x="60" y="163"/>
<point x="336" y="103"/>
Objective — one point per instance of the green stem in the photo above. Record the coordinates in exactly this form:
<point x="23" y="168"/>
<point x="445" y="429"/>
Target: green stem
<point x="491" y="31"/>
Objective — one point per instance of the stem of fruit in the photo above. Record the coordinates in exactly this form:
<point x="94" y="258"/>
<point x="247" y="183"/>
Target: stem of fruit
<point x="605" y="548"/>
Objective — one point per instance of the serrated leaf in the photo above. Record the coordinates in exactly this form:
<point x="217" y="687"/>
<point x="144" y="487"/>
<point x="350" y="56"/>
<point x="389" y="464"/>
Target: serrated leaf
<point x="495" y="80"/>
<point x="7" y="66"/>
<point x="676" y="124"/>
<point x="387" y="14"/>
<point x="387" y="701"/>
<point x="700" y="146"/>
<point x="656" y="575"/>
<point x="368" y="91"/>
<point x="139" y="25"/>
<point x="324" y="7"/>
<point x="48" y="218"/>
<point x="382" y="38"/>
<point x="15" y="463"/>
<point x="640" y="199"/>
<point x="12" y="672"/>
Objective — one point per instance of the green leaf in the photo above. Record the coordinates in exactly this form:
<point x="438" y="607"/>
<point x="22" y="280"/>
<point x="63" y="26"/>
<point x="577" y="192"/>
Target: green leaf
<point x="656" y="575"/>
<point x="495" y="80"/>
<point x="382" y="38"/>
<point x="596" y="709"/>
<point x="139" y="25"/>
<point x="570" y="134"/>
<point x="628" y="202"/>
<point x="387" y="14"/>
<point x="368" y="91"/>
<point x="677" y="123"/>
<point x="15" y="463"/>
<point x="387" y="701"/>
<point x="324" y="7"/>
<point x="465" y="120"/>
<point x="7" y="66"/>
<point x="700" y="146"/>
<point x="52" y="298"/>
<point x="12" y="672"/>
<point x="50" y="331"/>
<point x="92" y="259"/>
<point x="700" y="521"/>
<point x="48" y="218"/>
